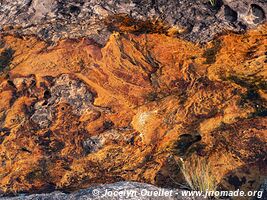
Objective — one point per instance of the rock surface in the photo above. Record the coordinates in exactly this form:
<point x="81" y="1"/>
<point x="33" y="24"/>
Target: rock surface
<point x="74" y="114"/>
<point x="77" y="114"/>
<point x="263" y="188"/>
<point x="135" y="190"/>
<point x="53" y="20"/>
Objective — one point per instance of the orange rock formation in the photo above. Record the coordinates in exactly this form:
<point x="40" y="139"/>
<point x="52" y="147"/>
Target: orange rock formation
<point x="130" y="108"/>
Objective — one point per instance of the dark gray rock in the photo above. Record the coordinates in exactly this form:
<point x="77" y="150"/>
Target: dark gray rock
<point x="263" y="189"/>
<point x="55" y="19"/>
<point x="65" y="90"/>
<point x="92" y="144"/>
<point x="116" y="191"/>
<point x="250" y="13"/>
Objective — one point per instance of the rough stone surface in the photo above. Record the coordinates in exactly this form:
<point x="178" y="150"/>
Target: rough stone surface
<point x="74" y="114"/>
<point x="138" y="192"/>
<point x="263" y="188"/>
<point x="64" y="90"/>
<point x="52" y="20"/>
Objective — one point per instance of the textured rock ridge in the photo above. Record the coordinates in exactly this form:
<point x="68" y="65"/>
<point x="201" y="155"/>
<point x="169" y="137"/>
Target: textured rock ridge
<point x="54" y="20"/>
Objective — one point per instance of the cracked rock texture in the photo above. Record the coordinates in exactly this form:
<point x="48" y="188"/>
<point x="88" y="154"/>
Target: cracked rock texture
<point x="95" y="93"/>
<point x="196" y="21"/>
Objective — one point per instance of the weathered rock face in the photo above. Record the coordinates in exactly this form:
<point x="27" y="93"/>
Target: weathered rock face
<point x="76" y="114"/>
<point x="52" y="20"/>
